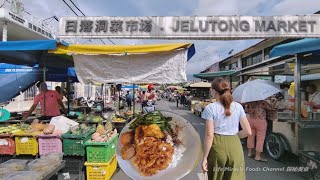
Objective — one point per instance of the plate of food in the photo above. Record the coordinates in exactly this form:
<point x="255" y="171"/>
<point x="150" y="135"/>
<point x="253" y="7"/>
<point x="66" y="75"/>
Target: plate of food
<point x="158" y="145"/>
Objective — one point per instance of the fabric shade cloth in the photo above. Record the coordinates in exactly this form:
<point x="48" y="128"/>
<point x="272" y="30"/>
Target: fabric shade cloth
<point x="255" y="90"/>
<point x="158" y="63"/>
<point x="164" y="67"/>
<point x="120" y="49"/>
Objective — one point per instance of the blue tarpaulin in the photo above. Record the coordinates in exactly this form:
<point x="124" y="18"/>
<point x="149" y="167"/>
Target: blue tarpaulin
<point x="16" y="78"/>
<point x="307" y="45"/>
<point x="34" y="45"/>
<point x="33" y="52"/>
<point x="130" y="87"/>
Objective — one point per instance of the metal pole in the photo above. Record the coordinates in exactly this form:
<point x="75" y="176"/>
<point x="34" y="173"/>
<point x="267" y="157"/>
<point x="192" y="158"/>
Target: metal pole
<point x="68" y="93"/>
<point x="134" y="103"/>
<point x="297" y="92"/>
<point x="102" y="95"/>
<point x="5" y="31"/>
<point x="44" y="95"/>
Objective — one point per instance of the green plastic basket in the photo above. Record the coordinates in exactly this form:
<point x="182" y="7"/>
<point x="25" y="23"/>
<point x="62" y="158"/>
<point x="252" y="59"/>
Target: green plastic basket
<point x="101" y="152"/>
<point x="74" y="145"/>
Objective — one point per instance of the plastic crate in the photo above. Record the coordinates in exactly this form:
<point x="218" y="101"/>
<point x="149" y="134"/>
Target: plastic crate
<point x="101" y="152"/>
<point x="74" y="145"/>
<point x="101" y="171"/>
<point x="26" y="144"/>
<point x="49" y="144"/>
<point x="8" y="146"/>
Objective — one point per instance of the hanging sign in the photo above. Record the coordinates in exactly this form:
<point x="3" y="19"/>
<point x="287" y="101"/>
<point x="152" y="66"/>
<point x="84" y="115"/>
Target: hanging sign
<point x="196" y="28"/>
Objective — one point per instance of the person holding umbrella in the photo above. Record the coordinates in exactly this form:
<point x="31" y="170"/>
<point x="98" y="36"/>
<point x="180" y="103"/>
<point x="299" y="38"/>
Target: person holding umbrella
<point x="253" y="95"/>
<point x="257" y="116"/>
<point x="223" y="154"/>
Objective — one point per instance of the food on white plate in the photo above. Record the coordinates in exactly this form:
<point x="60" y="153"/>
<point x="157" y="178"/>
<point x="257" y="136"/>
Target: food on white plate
<point x="128" y="151"/>
<point x="152" y="144"/>
<point x="127" y="138"/>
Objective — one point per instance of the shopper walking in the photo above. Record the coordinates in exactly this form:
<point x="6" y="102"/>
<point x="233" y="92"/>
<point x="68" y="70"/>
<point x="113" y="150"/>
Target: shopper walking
<point x="129" y="99"/>
<point x="223" y="157"/>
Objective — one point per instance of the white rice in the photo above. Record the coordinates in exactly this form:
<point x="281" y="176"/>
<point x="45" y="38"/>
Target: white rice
<point x="178" y="152"/>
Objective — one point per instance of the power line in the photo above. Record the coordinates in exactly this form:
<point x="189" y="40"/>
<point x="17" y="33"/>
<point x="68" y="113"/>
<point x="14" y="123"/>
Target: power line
<point x="83" y="15"/>
<point x="77" y="7"/>
<point x="70" y="7"/>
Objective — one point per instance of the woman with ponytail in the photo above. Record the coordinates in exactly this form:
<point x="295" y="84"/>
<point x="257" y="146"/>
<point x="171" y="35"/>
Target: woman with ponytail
<point x="223" y="155"/>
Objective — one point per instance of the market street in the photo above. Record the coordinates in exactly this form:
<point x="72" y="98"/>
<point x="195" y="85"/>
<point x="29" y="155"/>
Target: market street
<point x="255" y="170"/>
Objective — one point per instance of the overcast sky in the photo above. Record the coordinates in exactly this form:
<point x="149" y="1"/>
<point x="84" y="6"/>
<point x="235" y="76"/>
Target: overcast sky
<point x="208" y="52"/>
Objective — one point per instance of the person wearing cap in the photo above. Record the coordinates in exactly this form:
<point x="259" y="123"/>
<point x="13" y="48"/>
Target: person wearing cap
<point x="49" y="101"/>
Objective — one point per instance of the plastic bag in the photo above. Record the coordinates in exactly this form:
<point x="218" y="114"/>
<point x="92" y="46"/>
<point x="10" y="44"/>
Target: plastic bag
<point x="62" y="123"/>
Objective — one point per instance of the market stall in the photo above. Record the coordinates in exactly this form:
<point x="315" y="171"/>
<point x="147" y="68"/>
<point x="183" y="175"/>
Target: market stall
<point x="295" y="130"/>
<point x="125" y="64"/>
<point x="199" y="92"/>
<point x="93" y="136"/>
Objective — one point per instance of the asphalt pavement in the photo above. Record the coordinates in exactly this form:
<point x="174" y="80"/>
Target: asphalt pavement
<point x="271" y="170"/>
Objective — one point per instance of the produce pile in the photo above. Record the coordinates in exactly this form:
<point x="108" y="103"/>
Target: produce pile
<point x="90" y="118"/>
<point x="118" y="120"/>
<point x="12" y="129"/>
<point x="129" y="114"/>
<point x="37" y="127"/>
<point x="103" y="134"/>
<point x="149" y="145"/>
<point x="79" y="130"/>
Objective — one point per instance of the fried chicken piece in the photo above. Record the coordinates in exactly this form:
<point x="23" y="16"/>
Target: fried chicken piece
<point x="152" y="130"/>
<point x="127" y="152"/>
<point x="138" y="135"/>
<point x="126" y="138"/>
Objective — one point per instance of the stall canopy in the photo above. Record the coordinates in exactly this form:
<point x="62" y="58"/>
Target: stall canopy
<point x="18" y="78"/>
<point x="32" y="53"/>
<point x="213" y="75"/>
<point x="160" y="63"/>
<point x="303" y="46"/>
<point x="200" y="85"/>
<point x="23" y="62"/>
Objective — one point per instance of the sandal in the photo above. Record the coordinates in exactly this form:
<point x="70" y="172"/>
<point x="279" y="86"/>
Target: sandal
<point x="261" y="160"/>
<point x="251" y="156"/>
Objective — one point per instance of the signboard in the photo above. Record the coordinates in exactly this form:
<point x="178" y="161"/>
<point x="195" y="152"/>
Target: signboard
<point x="196" y="28"/>
<point x="6" y="15"/>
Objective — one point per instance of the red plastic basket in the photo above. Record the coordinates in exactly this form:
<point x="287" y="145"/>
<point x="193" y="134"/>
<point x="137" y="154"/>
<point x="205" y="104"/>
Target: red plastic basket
<point x="10" y="147"/>
<point x="49" y="144"/>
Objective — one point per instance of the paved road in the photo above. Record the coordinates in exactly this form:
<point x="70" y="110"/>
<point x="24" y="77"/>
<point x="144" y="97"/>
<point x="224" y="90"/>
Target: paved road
<point x="255" y="170"/>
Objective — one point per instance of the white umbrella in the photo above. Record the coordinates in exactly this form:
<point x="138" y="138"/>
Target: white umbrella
<point x="255" y="90"/>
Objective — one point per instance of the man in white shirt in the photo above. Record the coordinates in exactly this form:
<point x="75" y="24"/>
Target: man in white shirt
<point x="313" y="96"/>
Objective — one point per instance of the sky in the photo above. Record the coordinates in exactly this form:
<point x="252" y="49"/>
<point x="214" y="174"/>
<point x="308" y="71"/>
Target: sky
<point x="207" y="52"/>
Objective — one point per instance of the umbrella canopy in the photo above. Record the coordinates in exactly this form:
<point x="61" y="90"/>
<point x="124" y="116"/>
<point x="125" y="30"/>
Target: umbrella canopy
<point x="255" y="90"/>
